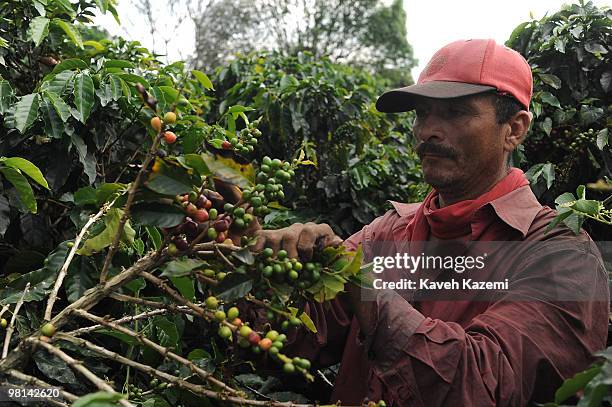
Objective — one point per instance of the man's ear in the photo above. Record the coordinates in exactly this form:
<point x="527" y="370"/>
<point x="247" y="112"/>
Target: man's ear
<point x="516" y="129"/>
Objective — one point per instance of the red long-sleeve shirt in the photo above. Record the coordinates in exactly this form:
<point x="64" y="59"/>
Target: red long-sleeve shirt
<point x="464" y="353"/>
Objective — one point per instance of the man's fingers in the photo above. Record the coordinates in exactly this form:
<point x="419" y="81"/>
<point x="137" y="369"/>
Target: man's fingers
<point x="260" y="243"/>
<point x="290" y="240"/>
<point x="306" y="243"/>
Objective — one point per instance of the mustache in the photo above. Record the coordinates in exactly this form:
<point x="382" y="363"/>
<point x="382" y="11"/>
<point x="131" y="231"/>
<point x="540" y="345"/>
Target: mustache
<point x="435" y="149"/>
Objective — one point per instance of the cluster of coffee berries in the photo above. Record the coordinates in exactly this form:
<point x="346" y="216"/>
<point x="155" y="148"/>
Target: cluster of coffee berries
<point x="573" y="142"/>
<point x="158" y="125"/>
<point x="244" y="142"/>
<point x="201" y="218"/>
<point x="156" y="384"/>
<point x="273" y="173"/>
<point x="241" y="219"/>
<point x="280" y="269"/>
<point x="135" y="392"/>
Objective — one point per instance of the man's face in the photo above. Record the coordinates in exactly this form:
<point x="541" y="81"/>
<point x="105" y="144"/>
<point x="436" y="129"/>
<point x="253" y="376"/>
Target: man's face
<point x="459" y="142"/>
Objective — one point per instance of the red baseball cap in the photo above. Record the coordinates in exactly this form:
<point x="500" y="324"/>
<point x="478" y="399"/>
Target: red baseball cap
<point x="462" y="68"/>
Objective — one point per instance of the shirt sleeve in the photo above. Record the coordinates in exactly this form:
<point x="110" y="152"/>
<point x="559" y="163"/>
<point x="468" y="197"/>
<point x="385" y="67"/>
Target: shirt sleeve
<point x="505" y="356"/>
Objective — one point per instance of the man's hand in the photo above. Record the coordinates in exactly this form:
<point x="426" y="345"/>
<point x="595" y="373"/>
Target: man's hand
<point x="298" y="239"/>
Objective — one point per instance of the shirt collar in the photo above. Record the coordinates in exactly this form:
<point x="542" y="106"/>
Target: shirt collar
<point x="517" y="209"/>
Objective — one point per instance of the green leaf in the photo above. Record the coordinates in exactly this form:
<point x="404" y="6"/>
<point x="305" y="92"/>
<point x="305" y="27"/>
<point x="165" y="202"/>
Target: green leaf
<point x="558" y="219"/>
<point x="98" y="399"/>
<point x="83" y="95"/>
<point x="550" y="99"/>
<point x="65" y="6"/>
<point x="203" y="79"/>
<point x="550" y="80"/>
<point x="26" y="112"/>
<point x="80" y="278"/>
<point x="353" y="267"/>
<point x="244" y="255"/>
<point x="69" y="65"/>
<point x="185" y="286"/>
<point x="54" y="126"/>
<point x="24" y="190"/>
<point x="154" y="236"/>
<point x="565" y="198"/>
<point x="602" y="138"/>
<point x="27" y="167"/>
<point x="230" y="171"/>
<point x="118" y="63"/>
<point x="53" y="367"/>
<point x="115" y="86"/>
<point x="546" y="125"/>
<point x="308" y="322"/>
<point x="59" y="83"/>
<point x="233" y="287"/>
<point x="578" y="382"/>
<point x="157" y="214"/>
<point x="574" y="222"/>
<point x="62" y="109"/>
<point x="595" y="48"/>
<point x="239" y="109"/>
<point x="70" y="31"/>
<point x="166" y="185"/>
<point x="548" y="171"/>
<point x="166" y="332"/>
<point x="94" y="44"/>
<point x="87" y="159"/>
<point x="590" y="114"/>
<point x="38" y="30"/>
<point x="131" y="78"/>
<point x="170" y="93"/>
<point x="589" y="207"/>
<point x="108" y="191"/>
<point x="6" y="96"/>
<point x="196" y="162"/>
<point x="181" y="267"/>
<point x="105" y="238"/>
<point x="327" y="288"/>
<point x="85" y="196"/>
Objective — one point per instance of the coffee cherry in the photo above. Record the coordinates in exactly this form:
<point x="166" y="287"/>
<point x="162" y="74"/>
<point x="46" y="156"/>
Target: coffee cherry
<point x="247" y="218"/>
<point x="221" y="238"/>
<point x="181" y="243"/>
<point x="212" y="302"/>
<point x="220" y="225"/>
<point x="239" y="223"/>
<point x="212" y="213"/>
<point x="285" y="325"/>
<point x="303" y="363"/>
<point x="268" y="252"/>
<point x="225" y="332"/>
<point x="3" y="323"/>
<point x="277" y="344"/>
<point x="237" y="322"/>
<point x="201" y="215"/>
<point x="293" y="275"/>
<point x="170" y="137"/>
<point x="201" y="201"/>
<point x="220" y="276"/>
<point x="243" y="343"/>
<point x="295" y="321"/>
<point x="156" y="123"/>
<point x="254" y="338"/>
<point x="170" y="117"/>
<point x="288" y="368"/>
<point x="272" y="335"/>
<point x="268" y="271"/>
<point x="209" y="273"/>
<point x="266" y="160"/>
<point x="273" y="351"/>
<point x="265" y="344"/>
<point x="245" y="331"/>
<point x="48" y="329"/>
<point x="226" y="145"/>
<point x="281" y="338"/>
<point x="233" y="313"/>
<point x="172" y="250"/>
<point x="282" y="254"/>
<point x="381" y="403"/>
<point x="220" y="315"/>
<point x="211" y="233"/>
<point x="255" y="349"/>
<point x="157" y="166"/>
<point x="276" y="163"/>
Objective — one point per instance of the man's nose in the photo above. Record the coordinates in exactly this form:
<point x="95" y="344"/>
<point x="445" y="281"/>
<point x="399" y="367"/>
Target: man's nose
<point x="427" y="127"/>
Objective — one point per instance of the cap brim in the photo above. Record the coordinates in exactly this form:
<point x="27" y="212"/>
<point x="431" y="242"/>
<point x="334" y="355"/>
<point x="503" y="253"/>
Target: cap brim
<point x="405" y="99"/>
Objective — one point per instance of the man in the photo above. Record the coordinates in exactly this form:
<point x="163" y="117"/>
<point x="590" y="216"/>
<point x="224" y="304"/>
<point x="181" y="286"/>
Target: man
<point x="472" y="111"/>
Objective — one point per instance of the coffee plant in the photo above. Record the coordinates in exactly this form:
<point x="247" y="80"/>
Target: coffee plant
<point x="128" y="276"/>
<point x="359" y="157"/>
<point x="569" y="53"/>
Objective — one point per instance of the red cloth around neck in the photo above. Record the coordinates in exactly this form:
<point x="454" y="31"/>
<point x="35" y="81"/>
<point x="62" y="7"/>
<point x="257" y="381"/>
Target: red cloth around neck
<point x="454" y="221"/>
